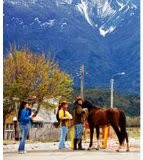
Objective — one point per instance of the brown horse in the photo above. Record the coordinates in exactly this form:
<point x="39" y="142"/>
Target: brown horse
<point x="98" y="117"/>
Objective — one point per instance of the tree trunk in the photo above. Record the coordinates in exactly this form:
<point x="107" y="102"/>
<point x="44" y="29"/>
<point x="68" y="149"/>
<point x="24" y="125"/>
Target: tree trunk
<point x="3" y="126"/>
<point x="38" y="108"/>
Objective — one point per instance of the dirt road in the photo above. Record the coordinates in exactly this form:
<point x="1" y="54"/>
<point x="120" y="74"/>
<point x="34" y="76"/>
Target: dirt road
<point x="74" y="155"/>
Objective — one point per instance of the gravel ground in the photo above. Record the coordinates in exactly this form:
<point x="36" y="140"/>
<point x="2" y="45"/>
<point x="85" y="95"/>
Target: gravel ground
<point x="52" y="146"/>
<point x="76" y="155"/>
<point x="49" y="151"/>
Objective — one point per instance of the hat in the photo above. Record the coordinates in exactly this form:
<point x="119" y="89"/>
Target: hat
<point x="63" y="103"/>
<point x="79" y="98"/>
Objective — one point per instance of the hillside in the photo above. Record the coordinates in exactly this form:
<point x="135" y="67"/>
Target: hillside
<point x="104" y="35"/>
<point x="101" y="97"/>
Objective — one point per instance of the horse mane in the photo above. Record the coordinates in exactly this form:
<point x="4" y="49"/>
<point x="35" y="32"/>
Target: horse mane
<point x="97" y="107"/>
<point x="89" y="105"/>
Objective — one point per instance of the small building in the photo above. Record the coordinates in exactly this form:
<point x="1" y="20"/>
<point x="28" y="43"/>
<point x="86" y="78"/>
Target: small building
<point x="37" y="122"/>
<point x="9" y="132"/>
<point x="11" y="128"/>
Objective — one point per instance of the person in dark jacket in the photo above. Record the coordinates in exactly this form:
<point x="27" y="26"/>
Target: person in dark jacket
<point x="78" y="113"/>
<point x="24" y="118"/>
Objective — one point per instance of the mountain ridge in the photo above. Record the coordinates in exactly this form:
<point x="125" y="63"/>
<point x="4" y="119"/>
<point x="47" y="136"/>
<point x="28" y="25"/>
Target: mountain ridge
<point x="60" y="28"/>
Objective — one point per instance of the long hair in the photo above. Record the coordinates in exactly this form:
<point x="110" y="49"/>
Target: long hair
<point x="59" y="107"/>
<point x="62" y="104"/>
<point x="22" y="106"/>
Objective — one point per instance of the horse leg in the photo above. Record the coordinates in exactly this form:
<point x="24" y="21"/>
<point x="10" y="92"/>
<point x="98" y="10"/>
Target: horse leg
<point x="127" y="140"/>
<point x="116" y="129"/>
<point x="91" y="137"/>
<point x="97" y="136"/>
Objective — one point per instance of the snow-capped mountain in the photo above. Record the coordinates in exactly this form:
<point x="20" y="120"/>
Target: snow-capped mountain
<point x="109" y="12"/>
<point x="102" y="34"/>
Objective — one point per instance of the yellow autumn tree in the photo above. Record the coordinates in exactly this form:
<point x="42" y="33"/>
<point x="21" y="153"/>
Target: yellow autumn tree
<point x="35" y="77"/>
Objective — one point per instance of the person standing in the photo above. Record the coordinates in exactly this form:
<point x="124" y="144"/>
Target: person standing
<point x="24" y="118"/>
<point x="78" y="114"/>
<point x="64" y="117"/>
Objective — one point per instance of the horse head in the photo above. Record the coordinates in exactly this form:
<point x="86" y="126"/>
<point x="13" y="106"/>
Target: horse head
<point x="87" y="104"/>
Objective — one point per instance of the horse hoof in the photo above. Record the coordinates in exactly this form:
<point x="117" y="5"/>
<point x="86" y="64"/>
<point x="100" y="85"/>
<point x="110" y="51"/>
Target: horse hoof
<point x="89" y="148"/>
<point x="98" y="147"/>
<point x="117" y="150"/>
<point x="127" y="150"/>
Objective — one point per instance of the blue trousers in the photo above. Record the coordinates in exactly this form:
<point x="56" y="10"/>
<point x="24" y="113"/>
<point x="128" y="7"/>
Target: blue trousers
<point x="64" y="130"/>
<point x="24" y="133"/>
<point x="78" y="130"/>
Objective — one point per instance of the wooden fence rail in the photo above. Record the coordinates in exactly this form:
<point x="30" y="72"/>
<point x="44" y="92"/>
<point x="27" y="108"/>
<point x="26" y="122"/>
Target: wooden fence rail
<point x="9" y="132"/>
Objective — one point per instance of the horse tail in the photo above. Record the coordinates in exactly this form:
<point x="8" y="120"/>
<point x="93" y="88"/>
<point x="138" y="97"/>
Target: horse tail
<point x="122" y="124"/>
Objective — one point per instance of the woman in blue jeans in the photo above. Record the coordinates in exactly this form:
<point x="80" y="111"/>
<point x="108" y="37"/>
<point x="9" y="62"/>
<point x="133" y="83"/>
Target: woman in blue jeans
<point x="24" y="118"/>
<point x="64" y="117"/>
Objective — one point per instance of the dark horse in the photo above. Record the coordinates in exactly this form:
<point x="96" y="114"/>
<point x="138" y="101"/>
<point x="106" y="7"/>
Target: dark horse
<point x="98" y="117"/>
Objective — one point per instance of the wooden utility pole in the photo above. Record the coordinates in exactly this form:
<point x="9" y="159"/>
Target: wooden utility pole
<point x="82" y="80"/>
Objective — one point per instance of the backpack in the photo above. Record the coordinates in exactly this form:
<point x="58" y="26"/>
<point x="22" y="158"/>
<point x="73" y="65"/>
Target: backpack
<point x="57" y="116"/>
<point x="57" y="124"/>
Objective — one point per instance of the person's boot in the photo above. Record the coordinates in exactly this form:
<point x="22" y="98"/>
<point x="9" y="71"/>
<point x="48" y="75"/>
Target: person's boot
<point x="75" y="143"/>
<point x="80" y="145"/>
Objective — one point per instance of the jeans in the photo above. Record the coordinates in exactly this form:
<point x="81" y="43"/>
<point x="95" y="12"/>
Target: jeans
<point x="64" y="130"/>
<point x="24" y="133"/>
<point x="78" y="131"/>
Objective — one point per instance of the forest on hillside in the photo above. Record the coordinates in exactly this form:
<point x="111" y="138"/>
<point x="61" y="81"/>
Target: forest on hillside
<point x="101" y="97"/>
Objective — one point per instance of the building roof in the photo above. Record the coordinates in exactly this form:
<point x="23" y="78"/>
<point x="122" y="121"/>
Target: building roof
<point x="38" y="119"/>
<point x="11" y="117"/>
